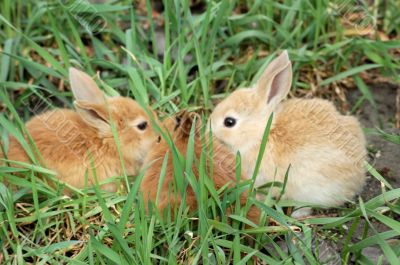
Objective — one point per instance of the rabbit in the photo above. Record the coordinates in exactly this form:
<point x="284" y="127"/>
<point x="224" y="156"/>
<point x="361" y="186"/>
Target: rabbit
<point x="325" y="150"/>
<point x="223" y="162"/>
<point x="76" y="143"/>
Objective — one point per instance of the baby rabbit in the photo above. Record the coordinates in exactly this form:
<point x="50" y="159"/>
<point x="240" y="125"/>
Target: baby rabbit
<point x="325" y="150"/>
<point x="223" y="162"/>
<point x="75" y="143"/>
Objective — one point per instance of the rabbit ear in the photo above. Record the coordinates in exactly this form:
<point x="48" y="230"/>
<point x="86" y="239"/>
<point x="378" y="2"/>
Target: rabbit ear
<point x="95" y="115"/>
<point x="84" y="88"/>
<point x="274" y="84"/>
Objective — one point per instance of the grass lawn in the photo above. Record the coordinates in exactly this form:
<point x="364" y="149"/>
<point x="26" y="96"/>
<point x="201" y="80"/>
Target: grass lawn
<point x="176" y="55"/>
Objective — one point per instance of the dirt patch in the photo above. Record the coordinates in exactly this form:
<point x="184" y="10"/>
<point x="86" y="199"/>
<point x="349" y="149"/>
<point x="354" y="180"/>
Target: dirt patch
<point x="383" y="115"/>
<point x="385" y="156"/>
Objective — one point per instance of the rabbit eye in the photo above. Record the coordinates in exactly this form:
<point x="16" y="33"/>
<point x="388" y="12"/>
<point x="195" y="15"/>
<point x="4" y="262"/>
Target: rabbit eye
<point x="229" y="122"/>
<point x="142" y="126"/>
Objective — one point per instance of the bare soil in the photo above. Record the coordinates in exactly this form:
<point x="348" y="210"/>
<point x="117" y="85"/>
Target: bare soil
<point x="385" y="156"/>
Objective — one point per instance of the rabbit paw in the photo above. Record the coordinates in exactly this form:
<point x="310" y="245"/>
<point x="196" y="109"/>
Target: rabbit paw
<point x="302" y="212"/>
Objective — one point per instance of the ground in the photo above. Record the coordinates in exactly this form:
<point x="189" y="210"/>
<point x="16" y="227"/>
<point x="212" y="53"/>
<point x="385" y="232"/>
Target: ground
<point x="385" y="155"/>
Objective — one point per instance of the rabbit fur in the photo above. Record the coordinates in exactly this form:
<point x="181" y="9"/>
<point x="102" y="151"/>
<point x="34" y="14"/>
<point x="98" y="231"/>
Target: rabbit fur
<point x="78" y="143"/>
<point x="223" y="161"/>
<point x="325" y="150"/>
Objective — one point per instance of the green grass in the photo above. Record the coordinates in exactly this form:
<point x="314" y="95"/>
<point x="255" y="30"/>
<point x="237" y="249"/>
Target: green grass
<point x="206" y="55"/>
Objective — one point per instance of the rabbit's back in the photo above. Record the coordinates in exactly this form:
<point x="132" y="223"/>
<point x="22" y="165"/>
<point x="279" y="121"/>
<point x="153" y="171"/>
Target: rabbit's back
<point x="67" y="146"/>
<point x="304" y="123"/>
<point x="57" y="136"/>
<point x="325" y="149"/>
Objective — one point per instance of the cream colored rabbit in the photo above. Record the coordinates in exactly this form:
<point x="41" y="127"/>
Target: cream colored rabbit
<point x="73" y="143"/>
<point x="324" y="148"/>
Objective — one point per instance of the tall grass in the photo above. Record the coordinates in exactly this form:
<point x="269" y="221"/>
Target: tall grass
<point x="205" y="55"/>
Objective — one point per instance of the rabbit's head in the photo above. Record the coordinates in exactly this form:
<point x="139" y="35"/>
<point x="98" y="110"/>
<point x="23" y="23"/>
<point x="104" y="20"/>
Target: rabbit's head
<point x="180" y="124"/>
<point x="239" y="120"/>
<point x="107" y="116"/>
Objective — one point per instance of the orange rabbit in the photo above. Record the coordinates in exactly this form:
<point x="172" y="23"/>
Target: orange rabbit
<point x="224" y="166"/>
<point x="324" y="148"/>
<point x="75" y="143"/>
